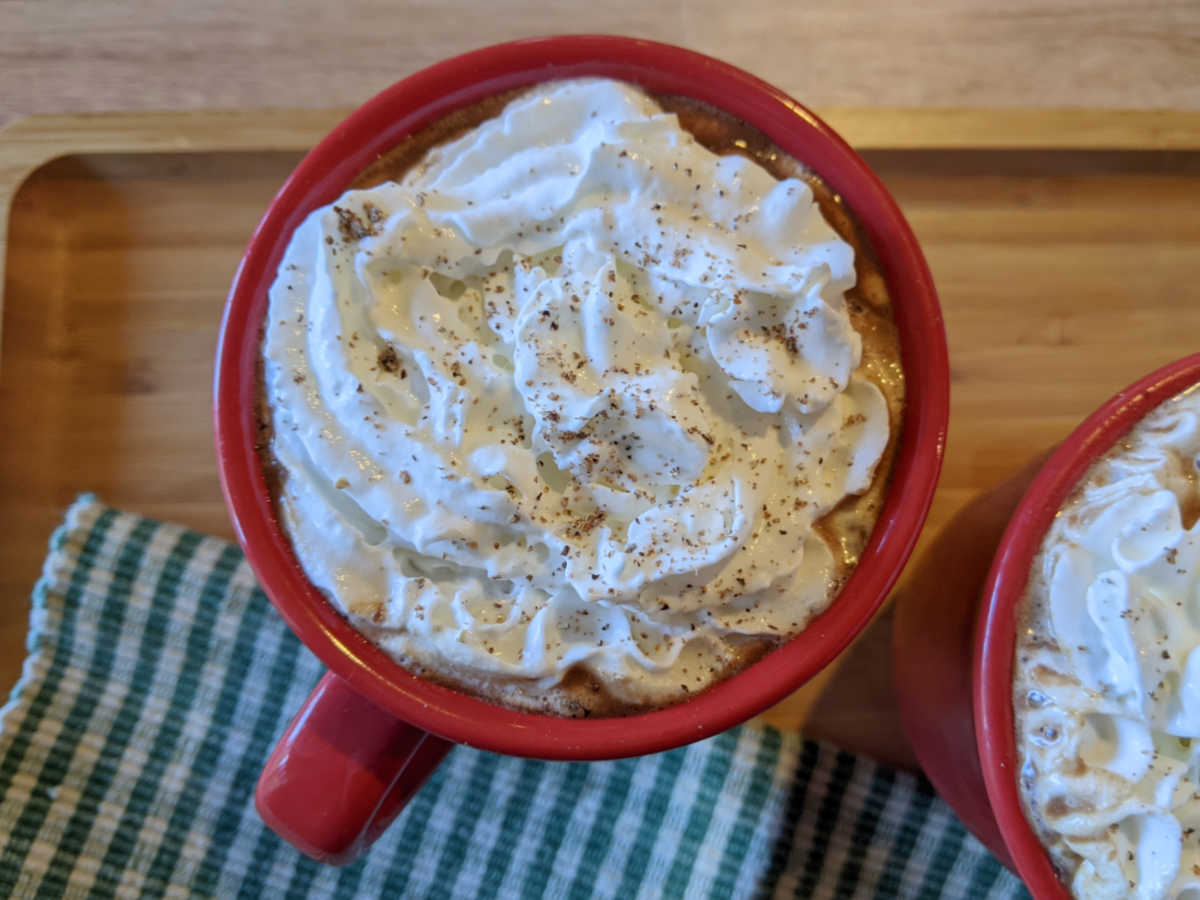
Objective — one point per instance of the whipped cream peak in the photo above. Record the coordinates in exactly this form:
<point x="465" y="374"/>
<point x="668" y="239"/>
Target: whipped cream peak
<point x="575" y="391"/>
<point x="1108" y="668"/>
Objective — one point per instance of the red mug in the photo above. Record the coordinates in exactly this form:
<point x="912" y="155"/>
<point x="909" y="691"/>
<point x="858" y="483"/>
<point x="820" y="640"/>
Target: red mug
<point x="371" y="732"/>
<point x="953" y="651"/>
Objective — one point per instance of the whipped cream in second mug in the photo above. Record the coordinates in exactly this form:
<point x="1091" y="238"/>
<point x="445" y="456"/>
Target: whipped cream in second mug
<point x="1107" y="685"/>
<point x="574" y="395"/>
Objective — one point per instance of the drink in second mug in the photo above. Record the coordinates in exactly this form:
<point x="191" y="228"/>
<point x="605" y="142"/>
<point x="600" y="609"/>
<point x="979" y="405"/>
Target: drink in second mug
<point x="1106" y="674"/>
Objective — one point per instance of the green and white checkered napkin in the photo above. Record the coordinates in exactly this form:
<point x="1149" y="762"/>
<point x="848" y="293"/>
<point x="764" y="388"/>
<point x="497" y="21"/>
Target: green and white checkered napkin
<point x="159" y="678"/>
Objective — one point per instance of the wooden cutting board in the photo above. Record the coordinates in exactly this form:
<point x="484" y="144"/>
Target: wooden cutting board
<point x="1065" y="246"/>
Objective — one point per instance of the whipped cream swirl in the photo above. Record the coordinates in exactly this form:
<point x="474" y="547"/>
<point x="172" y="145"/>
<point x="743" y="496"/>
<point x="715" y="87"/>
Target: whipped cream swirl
<point x="1107" y="689"/>
<point x="573" y="393"/>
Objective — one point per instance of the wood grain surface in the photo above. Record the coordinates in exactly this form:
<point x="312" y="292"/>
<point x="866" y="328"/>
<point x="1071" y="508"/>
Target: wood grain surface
<point x="1064" y="275"/>
<point x="64" y="56"/>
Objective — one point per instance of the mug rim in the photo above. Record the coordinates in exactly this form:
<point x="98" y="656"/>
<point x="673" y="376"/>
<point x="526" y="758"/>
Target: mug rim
<point x="429" y="95"/>
<point x="995" y="633"/>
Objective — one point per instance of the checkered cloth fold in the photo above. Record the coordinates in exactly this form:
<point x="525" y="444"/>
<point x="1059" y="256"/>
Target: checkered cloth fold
<point x="158" y="679"/>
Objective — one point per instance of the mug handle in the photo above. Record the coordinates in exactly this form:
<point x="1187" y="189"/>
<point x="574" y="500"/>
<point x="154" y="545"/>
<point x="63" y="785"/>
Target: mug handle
<point x="342" y="772"/>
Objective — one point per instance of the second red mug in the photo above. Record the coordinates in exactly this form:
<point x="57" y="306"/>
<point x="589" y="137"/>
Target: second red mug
<point x="954" y="647"/>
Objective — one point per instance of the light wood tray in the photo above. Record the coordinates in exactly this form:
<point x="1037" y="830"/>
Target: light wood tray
<point x="1065" y="246"/>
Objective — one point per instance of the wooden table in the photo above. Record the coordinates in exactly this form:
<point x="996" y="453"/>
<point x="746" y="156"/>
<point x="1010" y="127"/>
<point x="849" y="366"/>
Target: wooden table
<point x="64" y="56"/>
<point x="119" y="255"/>
<point x="1067" y="256"/>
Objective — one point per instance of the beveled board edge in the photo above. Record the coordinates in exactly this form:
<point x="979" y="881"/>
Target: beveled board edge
<point x="27" y="144"/>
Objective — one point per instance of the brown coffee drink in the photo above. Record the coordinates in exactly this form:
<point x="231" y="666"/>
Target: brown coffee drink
<point x="581" y="401"/>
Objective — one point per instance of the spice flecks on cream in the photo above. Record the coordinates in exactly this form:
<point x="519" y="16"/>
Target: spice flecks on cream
<point x="573" y="393"/>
